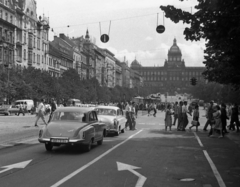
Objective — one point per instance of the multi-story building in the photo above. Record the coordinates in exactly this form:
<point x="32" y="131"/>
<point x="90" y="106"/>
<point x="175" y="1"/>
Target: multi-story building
<point x="173" y="77"/>
<point x="66" y="51"/>
<point x="100" y="65"/>
<point x="110" y="68"/>
<point x="54" y="61"/>
<point x="118" y="73"/>
<point x="31" y="36"/>
<point x="7" y="28"/>
<point x="125" y="74"/>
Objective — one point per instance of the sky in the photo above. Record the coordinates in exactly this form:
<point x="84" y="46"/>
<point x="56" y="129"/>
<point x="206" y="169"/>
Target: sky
<point x="131" y="25"/>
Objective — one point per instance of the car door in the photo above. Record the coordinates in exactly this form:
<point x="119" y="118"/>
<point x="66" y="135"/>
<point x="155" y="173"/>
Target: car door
<point x="93" y="119"/>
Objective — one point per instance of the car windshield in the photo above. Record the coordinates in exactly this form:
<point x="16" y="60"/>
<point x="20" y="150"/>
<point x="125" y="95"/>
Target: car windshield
<point x="69" y="116"/>
<point x="105" y="111"/>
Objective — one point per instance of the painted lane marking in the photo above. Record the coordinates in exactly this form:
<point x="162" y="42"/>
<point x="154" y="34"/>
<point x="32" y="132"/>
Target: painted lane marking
<point x="19" y="165"/>
<point x="92" y="162"/>
<point x="215" y="171"/>
<point x="141" y="178"/>
<point x="198" y="139"/>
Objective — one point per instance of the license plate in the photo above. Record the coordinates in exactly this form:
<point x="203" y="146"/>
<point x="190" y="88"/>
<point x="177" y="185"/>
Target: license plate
<point x="59" y="140"/>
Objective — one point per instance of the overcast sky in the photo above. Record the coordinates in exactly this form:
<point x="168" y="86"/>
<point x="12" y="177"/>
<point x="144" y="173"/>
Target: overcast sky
<point x="133" y="27"/>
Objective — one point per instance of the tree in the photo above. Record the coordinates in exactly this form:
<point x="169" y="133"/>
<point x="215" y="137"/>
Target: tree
<point x="217" y="22"/>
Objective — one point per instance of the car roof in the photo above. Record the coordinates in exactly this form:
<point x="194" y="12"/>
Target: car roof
<point x="108" y="107"/>
<point x="75" y="109"/>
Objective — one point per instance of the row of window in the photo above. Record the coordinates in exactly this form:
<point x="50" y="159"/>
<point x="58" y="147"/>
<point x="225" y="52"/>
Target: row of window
<point x="154" y="73"/>
<point x="174" y="58"/>
<point x="6" y="16"/>
<point x="170" y="78"/>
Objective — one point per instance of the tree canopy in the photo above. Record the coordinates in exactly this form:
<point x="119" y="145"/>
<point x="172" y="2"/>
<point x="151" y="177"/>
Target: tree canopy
<point x="217" y="22"/>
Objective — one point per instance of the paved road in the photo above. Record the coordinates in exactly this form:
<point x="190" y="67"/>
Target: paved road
<point x="164" y="158"/>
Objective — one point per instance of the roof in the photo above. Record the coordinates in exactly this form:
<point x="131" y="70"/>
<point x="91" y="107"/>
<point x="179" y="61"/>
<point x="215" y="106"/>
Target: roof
<point x="75" y="109"/>
<point x="175" y="49"/>
<point x="108" y="107"/>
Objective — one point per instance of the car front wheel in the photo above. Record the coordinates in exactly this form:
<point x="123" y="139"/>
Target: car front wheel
<point x="48" y="147"/>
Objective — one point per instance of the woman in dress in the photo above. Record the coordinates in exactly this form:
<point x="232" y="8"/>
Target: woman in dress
<point x="218" y="122"/>
<point x="195" y="122"/>
<point x="168" y="118"/>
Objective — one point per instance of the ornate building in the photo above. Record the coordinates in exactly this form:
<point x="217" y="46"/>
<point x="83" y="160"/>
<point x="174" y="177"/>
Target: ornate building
<point x="173" y="77"/>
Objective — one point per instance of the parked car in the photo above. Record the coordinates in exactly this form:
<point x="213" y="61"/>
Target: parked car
<point x="73" y="126"/>
<point x="4" y="109"/>
<point x="113" y="118"/>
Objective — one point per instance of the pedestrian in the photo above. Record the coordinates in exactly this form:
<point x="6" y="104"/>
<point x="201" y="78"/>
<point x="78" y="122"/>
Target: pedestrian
<point x="168" y="118"/>
<point x="136" y="109"/>
<point x="175" y="109"/>
<point x="209" y="116"/>
<point x="149" y="108"/>
<point x="128" y="116"/>
<point x="133" y="112"/>
<point x="224" y="118"/>
<point x="234" y="118"/>
<point x="180" y="117"/>
<point x="40" y="112"/>
<point x="195" y="122"/>
<point x="217" y="126"/>
<point x="53" y="108"/>
<point x="185" y="113"/>
<point x="21" y="109"/>
<point x="154" y="106"/>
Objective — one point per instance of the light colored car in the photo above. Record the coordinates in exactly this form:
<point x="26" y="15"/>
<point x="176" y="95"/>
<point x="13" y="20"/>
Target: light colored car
<point x="73" y="126"/>
<point x="113" y="118"/>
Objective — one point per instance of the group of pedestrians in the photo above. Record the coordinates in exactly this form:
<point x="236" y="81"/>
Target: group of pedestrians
<point x="131" y="115"/>
<point x="41" y="111"/>
<point x="217" y="117"/>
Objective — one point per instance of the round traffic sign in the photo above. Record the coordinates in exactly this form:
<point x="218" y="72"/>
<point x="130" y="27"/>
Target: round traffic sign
<point x="104" y="38"/>
<point x="160" y="29"/>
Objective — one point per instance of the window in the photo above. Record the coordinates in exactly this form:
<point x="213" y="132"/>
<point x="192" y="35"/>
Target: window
<point x="1" y="13"/>
<point x="0" y="54"/>
<point x="25" y="37"/>
<point x="6" y="3"/>
<point x="6" y="16"/>
<point x="24" y="54"/>
<point x="11" y="19"/>
<point x="38" y="44"/>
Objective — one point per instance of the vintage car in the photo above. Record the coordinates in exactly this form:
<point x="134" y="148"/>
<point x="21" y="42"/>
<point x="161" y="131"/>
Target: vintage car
<point x="73" y="126"/>
<point x="113" y="117"/>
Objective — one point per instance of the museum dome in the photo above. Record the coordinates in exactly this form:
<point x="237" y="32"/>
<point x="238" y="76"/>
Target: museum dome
<point x="135" y="63"/>
<point x="174" y="49"/>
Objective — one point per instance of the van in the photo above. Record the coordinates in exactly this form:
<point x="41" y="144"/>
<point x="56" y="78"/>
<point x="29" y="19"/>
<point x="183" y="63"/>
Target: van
<point x="29" y="104"/>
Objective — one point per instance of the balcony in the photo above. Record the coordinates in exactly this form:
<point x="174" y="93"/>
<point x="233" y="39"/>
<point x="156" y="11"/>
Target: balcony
<point x="19" y="59"/>
<point x="19" y="43"/>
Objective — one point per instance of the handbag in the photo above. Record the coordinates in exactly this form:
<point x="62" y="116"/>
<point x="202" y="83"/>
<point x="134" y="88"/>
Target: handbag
<point x="194" y="122"/>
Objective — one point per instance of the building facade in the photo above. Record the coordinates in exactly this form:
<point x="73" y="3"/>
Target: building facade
<point x="7" y="29"/>
<point x="173" y="77"/>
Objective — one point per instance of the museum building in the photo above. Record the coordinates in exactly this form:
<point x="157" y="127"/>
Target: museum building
<point x="173" y="77"/>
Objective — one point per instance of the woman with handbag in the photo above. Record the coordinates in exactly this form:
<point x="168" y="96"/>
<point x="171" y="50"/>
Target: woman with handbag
<point x="195" y="121"/>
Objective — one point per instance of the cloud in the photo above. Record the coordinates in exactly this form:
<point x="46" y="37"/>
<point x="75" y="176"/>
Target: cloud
<point x="148" y="38"/>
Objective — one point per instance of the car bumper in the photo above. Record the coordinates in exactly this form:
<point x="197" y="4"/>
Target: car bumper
<point x="69" y="142"/>
<point x="112" y="130"/>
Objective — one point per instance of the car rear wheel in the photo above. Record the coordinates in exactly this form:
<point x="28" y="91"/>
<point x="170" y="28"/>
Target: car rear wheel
<point x="100" y="141"/>
<point x="48" y="147"/>
<point x="118" y="132"/>
<point x="88" y="147"/>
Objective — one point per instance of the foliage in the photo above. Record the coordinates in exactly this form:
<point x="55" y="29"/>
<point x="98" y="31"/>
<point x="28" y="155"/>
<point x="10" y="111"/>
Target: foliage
<point x="35" y="84"/>
<point x="217" y="22"/>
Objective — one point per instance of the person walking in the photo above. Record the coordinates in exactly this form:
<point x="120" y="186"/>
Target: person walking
<point x="185" y="113"/>
<point x="224" y="118"/>
<point x="234" y="118"/>
<point x="175" y="109"/>
<point x="180" y="117"/>
<point x="21" y="109"/>
<point x="53" y="108"/>
<point x="40" y="112"/>
<point x="218" y="122"/>
<point x="195" y="122"/>
<point x="128" y="110"/>
<point x="209" y="116"/>
<point x="133" y="111"/>
<point x="168" y="118"/>
<point x="154" y="109"/>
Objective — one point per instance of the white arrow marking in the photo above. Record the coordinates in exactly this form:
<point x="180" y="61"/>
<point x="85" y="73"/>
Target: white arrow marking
<point x="141" y="178"/>
<point x="20" y="165"/>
